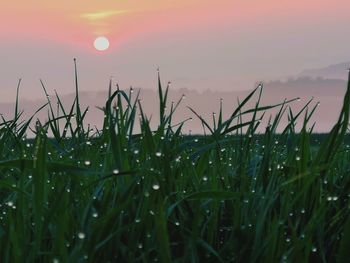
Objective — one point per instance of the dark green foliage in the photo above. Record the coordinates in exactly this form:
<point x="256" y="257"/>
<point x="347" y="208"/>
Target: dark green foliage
<point x="115" y="195"/>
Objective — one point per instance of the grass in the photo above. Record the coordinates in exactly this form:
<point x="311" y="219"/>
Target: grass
<point x="231" y="195"/>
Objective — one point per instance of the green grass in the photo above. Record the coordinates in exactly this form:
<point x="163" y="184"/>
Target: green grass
<point x="232" y="195"/>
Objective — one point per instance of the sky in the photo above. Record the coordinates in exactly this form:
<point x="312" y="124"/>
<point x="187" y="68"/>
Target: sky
<point x="197" y="44"/>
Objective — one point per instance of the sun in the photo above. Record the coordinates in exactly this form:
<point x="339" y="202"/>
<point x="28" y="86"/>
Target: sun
<point x="101" y="43"/>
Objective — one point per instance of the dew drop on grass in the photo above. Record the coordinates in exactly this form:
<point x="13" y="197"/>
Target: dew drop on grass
<point x="140" y="246"/>
<point x="155" y="186"/>
<point x="55" y="260"/>
<point x="115" y="171"/>
<point x="10" y="203"/>
<point x="81" y="235"/>
<point x="137" y="220"/>
<point x="205" y="178"/>
<point x="95" y="215"/>
<point x="158" y="154"/>
<point x="297" y="158"/>
<point x="314" y="249"/>
<point x="87" y="163"/>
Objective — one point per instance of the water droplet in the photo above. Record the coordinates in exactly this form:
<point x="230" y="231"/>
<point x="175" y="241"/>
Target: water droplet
<point x="137" y="220"/>
<point x="155" y="186"/>
<point x="81" y="235"/>
<point x="297" y="158"/>
<point x="95" y="215"/>
<point x="87" y="163"/>
<point x="115" y="171"/>
<point x="314" y="249"/>
<point x="158" y="154"/>
<point x="205" y="178"/>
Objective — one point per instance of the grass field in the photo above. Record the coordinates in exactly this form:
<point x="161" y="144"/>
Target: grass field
<point x="110" y="195"/>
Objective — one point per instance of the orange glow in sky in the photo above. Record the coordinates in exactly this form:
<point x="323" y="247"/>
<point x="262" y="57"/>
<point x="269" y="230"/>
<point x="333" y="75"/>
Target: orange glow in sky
<point x="81" y="21"/>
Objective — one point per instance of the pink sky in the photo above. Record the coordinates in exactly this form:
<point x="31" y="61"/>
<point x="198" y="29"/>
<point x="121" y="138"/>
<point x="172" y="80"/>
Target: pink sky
<point x="197" y="44"/>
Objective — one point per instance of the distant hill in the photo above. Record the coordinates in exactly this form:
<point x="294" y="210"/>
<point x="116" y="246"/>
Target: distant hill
<point x="335" y="71"/>
<point x="328" y="91"/>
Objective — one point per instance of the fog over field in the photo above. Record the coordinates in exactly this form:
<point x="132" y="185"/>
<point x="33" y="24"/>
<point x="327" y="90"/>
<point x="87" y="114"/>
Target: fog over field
<point x="328" y="91"/>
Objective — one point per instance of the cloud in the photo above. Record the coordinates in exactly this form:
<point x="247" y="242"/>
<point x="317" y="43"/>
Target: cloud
<point x="103" y="14"/>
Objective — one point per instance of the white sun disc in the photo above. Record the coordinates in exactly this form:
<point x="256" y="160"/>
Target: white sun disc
<point x="101" y="43"/>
